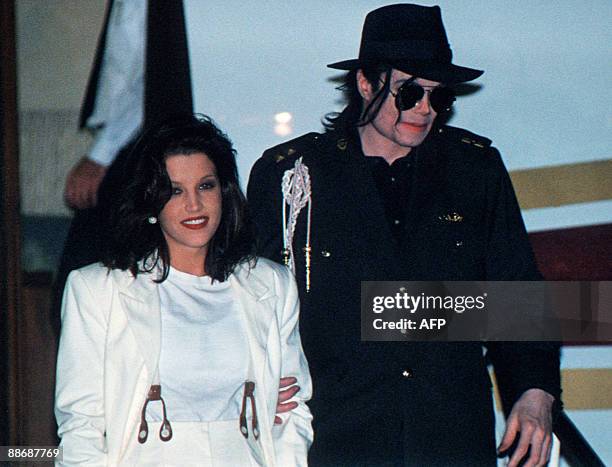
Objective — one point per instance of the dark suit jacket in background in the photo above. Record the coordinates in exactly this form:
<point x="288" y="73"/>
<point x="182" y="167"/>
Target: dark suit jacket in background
<point x="392" y="403"/>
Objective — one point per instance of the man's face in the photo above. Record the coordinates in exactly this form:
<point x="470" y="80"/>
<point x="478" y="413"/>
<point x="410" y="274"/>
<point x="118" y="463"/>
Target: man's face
<point x="388" y="135"/>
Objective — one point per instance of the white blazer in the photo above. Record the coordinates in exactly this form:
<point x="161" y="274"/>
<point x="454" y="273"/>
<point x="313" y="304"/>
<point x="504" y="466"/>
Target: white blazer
<point x="110" y="347"/>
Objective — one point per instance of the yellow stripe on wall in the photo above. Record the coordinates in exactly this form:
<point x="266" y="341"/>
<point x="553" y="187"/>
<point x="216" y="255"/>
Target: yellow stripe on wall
<point x="587" y="388"/>
<point x="563" y="184"/>
<point x="583" y="389"/>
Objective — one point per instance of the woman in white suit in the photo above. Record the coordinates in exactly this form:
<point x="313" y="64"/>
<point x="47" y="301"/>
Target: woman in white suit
<point x="172" y="350"/>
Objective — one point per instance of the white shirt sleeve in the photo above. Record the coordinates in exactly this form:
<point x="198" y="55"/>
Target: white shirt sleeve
<point x="119" y="108"/>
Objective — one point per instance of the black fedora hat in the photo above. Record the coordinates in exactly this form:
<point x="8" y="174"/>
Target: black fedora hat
<point x="412" y="39"/>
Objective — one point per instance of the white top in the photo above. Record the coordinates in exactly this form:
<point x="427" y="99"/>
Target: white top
<point x="204" y="350"/>
<point x="119" y="108"/>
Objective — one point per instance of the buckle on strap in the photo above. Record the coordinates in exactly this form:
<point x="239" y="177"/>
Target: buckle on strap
<point x="249" y="390"/>
<point x="165" y="431"/>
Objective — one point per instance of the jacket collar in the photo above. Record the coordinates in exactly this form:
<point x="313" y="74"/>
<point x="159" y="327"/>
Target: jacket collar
<point x="253" y="296"/>
<point x="249" y="282"/>
<point x="143" y="286"/>
<point x="140" y="300"/>
<point x="340" y="162"/>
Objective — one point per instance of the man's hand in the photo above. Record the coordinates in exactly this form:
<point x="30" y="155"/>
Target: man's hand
<point x="284" y="395"/>
<point x="82" y="183"/>
<point x="532" y="417"/>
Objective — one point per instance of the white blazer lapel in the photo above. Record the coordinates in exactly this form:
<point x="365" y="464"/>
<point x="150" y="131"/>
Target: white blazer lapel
<point x="139" y="299"/>
<point x="254" y="300"/>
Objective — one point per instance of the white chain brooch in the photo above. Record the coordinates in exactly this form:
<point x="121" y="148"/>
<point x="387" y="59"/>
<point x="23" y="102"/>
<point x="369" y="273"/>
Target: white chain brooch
<point x="297" y="194"/>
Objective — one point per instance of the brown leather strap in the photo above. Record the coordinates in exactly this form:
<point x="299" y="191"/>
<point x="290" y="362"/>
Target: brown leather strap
<point x="243" y="422"/>
<point x="249" y="390"/>
<point x="254" y="422"/>
<point x="165" y="432"/>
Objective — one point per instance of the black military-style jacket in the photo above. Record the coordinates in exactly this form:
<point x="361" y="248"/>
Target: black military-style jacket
<point x="412" y="403"/>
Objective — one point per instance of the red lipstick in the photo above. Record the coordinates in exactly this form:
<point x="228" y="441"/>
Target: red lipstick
<point x="195" y="223"/>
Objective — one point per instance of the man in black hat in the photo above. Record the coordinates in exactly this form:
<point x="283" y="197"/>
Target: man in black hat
<point x="389" y="192"/>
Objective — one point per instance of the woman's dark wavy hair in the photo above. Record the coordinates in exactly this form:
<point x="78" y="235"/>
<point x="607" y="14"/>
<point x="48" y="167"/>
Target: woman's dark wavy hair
<point x="354" y="114"/>
<point x="139" y="246"/>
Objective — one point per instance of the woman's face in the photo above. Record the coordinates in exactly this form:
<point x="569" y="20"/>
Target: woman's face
<point x="191" y="217"/>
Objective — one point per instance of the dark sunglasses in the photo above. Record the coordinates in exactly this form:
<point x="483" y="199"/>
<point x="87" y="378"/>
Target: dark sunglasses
<point x="410" y="93"/>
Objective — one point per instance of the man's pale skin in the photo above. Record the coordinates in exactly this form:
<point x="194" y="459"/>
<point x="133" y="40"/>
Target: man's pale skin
<point x="394" y="138"/>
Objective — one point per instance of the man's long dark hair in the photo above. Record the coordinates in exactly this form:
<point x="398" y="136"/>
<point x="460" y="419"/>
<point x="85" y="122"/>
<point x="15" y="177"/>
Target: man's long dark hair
<point x="140" y="246"/>
<point x="354" y="114"/>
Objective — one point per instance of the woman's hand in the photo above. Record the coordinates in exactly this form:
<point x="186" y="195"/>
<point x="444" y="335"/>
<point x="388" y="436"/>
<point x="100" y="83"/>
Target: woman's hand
<point x="286" y="392"/>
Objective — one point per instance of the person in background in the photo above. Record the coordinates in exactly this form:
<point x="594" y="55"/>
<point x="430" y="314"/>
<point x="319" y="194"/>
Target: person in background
<point x="171" y="349"/>
<point x="140" y="76"/>
<point x="389" y="192"/>
<point x="113" y="110"/>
